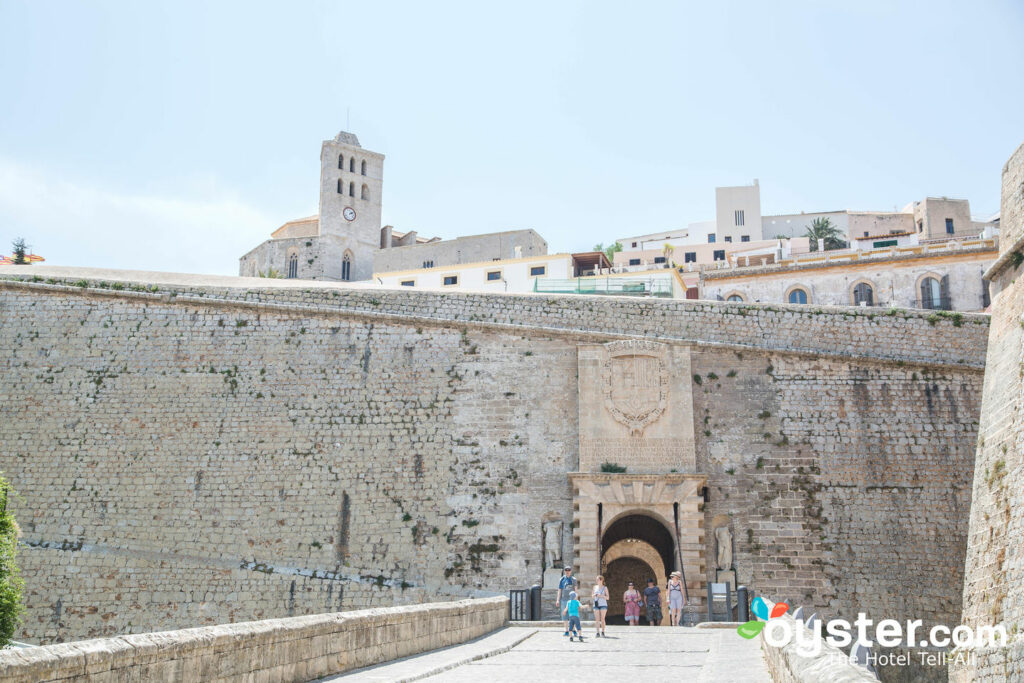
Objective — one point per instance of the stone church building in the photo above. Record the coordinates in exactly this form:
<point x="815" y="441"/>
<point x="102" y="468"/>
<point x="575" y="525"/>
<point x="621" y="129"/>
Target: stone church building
<point x="338" y="243"/>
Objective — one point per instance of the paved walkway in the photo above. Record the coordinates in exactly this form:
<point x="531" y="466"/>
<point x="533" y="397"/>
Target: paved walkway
<point x="628" y="653"/>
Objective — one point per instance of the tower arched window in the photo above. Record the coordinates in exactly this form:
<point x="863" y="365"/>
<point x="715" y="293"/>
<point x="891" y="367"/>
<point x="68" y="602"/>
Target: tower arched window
<point x="351" y="189"/>
<point x="341" y="161"/>
<point x="863" y="293"/>
<point x="362" y="169"/>
<point x="346" y="266"/>
<point x="341" y="190"/>
<point x="364" y="193"/>
<point x="293" y="266"/>
<point x="352" y="164"/>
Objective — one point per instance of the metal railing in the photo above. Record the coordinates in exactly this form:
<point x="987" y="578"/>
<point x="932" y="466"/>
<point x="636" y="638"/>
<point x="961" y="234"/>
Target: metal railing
<point x="614" y="286"/>
<point x="935" y="303"/>
<point x="519" y="605"/>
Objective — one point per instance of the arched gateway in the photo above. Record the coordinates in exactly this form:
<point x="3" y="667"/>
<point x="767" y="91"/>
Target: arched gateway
<point x="638" y="508"/>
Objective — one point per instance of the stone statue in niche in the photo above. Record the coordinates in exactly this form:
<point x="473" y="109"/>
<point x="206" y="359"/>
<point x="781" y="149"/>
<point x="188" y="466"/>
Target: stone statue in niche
<point x="552" y="544"/>
<point x="723" y="537"/>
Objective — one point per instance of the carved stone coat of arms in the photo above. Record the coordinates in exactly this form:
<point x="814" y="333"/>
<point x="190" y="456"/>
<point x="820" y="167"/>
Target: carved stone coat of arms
<point x="635" y="383"/>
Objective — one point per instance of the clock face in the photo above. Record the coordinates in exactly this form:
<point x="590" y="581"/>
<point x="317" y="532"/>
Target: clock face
<point x="349" y="213"/>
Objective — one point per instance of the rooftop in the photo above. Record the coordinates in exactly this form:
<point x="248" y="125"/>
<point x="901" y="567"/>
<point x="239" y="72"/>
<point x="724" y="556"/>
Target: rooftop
<point x="347" y="139"/>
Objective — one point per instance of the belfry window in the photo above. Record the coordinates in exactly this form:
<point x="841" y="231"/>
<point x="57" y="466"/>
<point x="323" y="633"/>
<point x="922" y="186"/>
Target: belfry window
<point x="351" y="189"/>
<point x="365" y="192"/>
<point x="341" y="161"/>
<point x="362" y="168"/>
<point x="351" y="164"/>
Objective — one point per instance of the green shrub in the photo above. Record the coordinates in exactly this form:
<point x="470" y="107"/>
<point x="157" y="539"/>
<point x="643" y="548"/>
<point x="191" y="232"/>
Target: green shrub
<point x="612" y="468"/>
<point x="11" y="583"/>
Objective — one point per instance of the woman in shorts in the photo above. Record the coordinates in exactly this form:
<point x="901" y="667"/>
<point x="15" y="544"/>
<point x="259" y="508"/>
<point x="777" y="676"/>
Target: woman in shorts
<point x="632" y="599"/>
<point x="600" y="594"/>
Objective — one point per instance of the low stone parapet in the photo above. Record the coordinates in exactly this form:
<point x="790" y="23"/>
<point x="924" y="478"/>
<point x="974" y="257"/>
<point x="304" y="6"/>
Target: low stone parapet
<point x="788" y="665"/>
<point x="292" y="649"/>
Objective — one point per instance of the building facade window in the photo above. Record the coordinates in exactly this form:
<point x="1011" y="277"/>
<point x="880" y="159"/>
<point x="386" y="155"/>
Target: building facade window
<point x="798" y="296"/>
<point x="293" y="266"/>
<point x="739" y="218"/>
<point x="408" y="283"/>
<point x="728" y="238"/>
<point x="690" y="257"/>
<point x="538" y="270"/>
<point x="711" y="239"/>
<point x="744" y="238"/>
<point x="634" y="245"/>
<point x="341" y="161"/>
<point x="450" y="280"/>
<point x="428" y="264"/>
<point x="362" y="167"/>
<point x="864" y="294"/>
<point x="364" y="193"/>
<point x="634" y="262"/>
<point x="719" y="255"/>
<point x="346" y="266"/>
<point x="351" y="189"/>
<point x="735" y="298"/>
<point x="493" y="275"/>
<point x="352" y="165"/>
<point x="659" y="259"/>
<point x="949" y="226"/>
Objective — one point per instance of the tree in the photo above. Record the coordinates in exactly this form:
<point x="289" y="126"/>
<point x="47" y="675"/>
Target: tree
<point x="823" y="229"/>
<point x="11" y="583"/>
<point x="610" y="250"/>
<point x="269" y="272"/>
<point x="667" y="251"/>
<point x="20" y="248"/>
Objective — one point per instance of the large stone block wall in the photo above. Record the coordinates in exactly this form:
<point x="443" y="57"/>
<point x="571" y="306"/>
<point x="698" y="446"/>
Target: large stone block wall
<point x="299" y="649"/>
<point x="994" y="583"/>
<point x="195" y="456"/>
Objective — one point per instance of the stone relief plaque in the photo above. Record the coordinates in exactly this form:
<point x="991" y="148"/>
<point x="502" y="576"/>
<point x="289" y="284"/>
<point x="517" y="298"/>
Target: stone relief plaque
<point x="635" y="407"/>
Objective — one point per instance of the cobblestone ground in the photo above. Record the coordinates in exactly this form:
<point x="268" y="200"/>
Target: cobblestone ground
<point x="639" y="653"/>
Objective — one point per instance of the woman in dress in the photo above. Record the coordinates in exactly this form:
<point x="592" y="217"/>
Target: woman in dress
<point x="675" y="599"/>
<point x="600" y="605"/>
<point x="632" y="599"/>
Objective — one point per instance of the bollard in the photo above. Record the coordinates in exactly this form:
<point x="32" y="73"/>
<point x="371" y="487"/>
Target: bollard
<point x="742" y="604"/>
<point x="535" y="607"/>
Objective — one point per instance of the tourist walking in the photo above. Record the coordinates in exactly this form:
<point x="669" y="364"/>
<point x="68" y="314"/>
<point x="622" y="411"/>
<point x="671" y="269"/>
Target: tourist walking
<point x="568" y="584"/>
<point x="632" y="599"/>
<point x="652" y="598"/>
<point x="600" y="594"/>
<point x="571" y="612"/>
<point x="675" y="598"/>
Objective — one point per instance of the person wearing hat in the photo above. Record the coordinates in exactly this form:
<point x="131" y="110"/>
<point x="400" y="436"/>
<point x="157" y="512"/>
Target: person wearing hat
<point x="568" y="584"/>
<point x="674" y="594"/>
<point x="572" y="614"/>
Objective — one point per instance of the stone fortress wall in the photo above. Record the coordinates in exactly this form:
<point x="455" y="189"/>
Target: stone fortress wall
<point x="993" y="591"/>
<point x="191" y="455"/>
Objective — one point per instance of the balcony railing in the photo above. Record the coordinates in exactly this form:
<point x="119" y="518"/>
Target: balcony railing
<point x="614" y="286"/>
<point x="935" y="303"/>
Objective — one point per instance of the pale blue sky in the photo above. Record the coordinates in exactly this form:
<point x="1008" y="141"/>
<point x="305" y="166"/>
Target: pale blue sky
<point x="176" y="136"/>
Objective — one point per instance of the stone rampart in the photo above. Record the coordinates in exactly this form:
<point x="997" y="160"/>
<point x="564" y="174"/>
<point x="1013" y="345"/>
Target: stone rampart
<point x="295" y="649"/>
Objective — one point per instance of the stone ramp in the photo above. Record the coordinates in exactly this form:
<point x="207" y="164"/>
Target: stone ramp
<point x="628" y="653"/>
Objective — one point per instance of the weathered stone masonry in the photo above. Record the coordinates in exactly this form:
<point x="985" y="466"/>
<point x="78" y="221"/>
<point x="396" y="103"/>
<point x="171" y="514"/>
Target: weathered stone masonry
<point x="194" y="456"/>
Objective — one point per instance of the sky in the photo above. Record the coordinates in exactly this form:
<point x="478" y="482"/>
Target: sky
<point x="176" y="136"/>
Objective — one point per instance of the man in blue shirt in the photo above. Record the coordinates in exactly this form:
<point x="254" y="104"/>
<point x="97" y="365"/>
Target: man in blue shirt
<point x="568" y="584"/>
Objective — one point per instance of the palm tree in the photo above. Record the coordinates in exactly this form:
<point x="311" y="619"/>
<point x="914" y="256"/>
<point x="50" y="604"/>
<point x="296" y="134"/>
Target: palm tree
<point x="666" y="251"/>
<point x="823" y="229"/>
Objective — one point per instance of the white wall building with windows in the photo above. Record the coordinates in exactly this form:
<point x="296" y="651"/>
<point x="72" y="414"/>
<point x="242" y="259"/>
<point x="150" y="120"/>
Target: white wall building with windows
<point x="505" y="275"/>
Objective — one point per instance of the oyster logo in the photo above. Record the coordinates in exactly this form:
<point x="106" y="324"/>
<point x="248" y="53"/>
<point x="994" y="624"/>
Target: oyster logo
<point x="635" y="385"/>
<point x="763" y="613"/>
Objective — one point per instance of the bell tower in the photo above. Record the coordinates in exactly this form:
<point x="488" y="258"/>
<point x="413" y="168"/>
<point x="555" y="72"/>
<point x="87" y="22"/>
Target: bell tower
<point x="351" y="180"/>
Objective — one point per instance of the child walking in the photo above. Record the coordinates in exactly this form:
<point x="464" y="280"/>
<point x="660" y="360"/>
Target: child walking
<point x="572" y="611"/>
